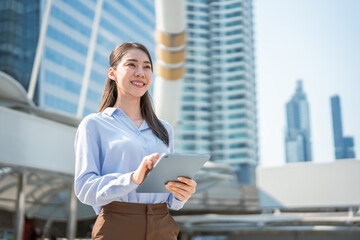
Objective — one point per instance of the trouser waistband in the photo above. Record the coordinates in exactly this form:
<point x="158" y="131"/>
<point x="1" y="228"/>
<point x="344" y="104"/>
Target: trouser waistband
<point x="135" y="208"/>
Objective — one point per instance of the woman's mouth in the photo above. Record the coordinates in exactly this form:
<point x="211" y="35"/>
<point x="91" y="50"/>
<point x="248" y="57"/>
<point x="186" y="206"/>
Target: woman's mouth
<point x="137" y="83"/>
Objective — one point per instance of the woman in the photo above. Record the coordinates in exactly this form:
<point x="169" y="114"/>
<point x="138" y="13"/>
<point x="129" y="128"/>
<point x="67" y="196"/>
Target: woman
<point x="117" y="147"/>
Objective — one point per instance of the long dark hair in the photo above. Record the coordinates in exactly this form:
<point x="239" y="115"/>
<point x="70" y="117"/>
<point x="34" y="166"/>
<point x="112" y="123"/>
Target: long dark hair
<point x="110" y="92"/>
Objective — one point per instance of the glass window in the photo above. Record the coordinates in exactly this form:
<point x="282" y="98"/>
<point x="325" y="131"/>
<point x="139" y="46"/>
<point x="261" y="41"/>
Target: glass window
<point x="188" y="108"/>
<point x="67" y="40"/>
<point x="131" y="24"/>
<point x="235" y="78"/>
<point x="93" y="96"/>
<point x="97" y="77"/>
<point x="236" y="87"/>
<point x="62" y="82"/>
<point x="238" y="96"/>
<point x="80" y="7"/>
<point x="236" y="59"/>
<point x="238" y="136"/>
<point x="234" y="5"/>
<point x="235" y="50"/>
<point x="234" y="23"/>
<point x="64" y="61"/>
<point x="216" y="157"/>
<point x="70" y="21"/>
<point x="238" y="155"/>
<point x="238" y="145"/>
<point x="60" y="104"/>
<point x="188" y="137"/>
<point x="188" y="127"/>
<point x="188" y="98"/>
<point x="237" y="116"/>
<point x="234" y="41"/>
<point x="189" y="147"/>
<point x="237" y="125"/>
<point x="233" y="14"/>
<point x="188" y="117"/>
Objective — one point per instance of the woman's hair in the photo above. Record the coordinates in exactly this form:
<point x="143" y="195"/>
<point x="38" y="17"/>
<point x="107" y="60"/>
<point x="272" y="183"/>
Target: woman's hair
<point x="110" y="92"/>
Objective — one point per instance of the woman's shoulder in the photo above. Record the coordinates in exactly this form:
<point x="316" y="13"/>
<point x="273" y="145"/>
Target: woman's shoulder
<point x="90" y="120"/>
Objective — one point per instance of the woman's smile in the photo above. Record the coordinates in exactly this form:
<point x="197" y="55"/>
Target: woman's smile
<point x="138" y="83"/>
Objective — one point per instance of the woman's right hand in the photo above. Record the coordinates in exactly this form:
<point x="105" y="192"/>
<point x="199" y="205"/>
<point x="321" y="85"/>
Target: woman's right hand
<point x="146" y="165"/>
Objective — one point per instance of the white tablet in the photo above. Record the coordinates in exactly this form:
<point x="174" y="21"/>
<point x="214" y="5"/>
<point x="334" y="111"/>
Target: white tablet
<point x="168" y="168"/>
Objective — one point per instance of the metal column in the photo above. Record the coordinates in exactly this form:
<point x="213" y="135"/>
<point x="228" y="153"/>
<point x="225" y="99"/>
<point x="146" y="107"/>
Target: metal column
<point x="89" y="59"/>
<point x="71" y="228"/>
<point x="20" y="208"/>
<point x="39" y="50"/>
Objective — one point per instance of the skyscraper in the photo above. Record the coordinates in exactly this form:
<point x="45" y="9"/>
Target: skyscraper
<point x="218" y="112"/>
<point x="67" y="42"/>
<point x="298" y="136"/>
<point x="19" y="31"/>
<point x="344" y="146"/>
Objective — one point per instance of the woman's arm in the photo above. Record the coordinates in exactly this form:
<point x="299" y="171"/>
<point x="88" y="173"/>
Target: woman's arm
<point x="90" y="186"/>
<point x="93" y="188"/>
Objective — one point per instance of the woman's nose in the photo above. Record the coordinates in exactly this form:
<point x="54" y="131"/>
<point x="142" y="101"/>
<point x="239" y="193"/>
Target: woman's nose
<point x="139" y="72"/>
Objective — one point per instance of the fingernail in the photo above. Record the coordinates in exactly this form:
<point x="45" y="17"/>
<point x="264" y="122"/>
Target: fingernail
<point x="179" y="178"/>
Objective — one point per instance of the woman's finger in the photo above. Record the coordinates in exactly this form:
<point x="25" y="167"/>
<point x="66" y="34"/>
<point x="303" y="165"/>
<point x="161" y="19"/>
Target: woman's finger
<point x="182" y="186"/>
<point x="187" y="181"/>
<point x="179" y="193"/>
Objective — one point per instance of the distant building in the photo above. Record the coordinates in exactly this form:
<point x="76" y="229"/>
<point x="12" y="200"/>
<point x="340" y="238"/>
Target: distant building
<point x="298" y="136"/>
<point x="66" y="45"/>
<point x="19" y="31"/>
<point x="344" y="146"/>
<point x="218" y="109"/>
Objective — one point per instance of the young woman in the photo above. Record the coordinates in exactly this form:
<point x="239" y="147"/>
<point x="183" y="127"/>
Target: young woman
<point x="117" y="147"/>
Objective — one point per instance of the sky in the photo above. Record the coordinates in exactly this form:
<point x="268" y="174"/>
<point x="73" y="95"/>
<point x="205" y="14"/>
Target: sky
<point x="317" y="41"/>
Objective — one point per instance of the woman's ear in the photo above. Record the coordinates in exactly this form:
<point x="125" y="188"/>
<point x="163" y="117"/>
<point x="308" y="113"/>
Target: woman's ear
<point x="111" y="74"/>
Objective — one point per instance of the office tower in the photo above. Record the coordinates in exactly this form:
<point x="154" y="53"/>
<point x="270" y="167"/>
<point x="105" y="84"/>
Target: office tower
<point x="19" y="30"/>
<point x="67" y="44"/>
<point x="344" y="146"/>
<point x="298" y="136"/>
<point x="218" y="111"/>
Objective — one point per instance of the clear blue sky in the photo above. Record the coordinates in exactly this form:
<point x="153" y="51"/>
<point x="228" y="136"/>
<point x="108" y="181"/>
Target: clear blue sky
<point x="317" y="41"/>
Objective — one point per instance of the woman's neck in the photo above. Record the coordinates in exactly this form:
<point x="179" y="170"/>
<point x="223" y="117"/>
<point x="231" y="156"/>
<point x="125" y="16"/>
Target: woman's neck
<point x="130" y="106"/>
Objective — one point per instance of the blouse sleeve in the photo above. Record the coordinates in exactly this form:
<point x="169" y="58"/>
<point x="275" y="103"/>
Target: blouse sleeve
<point x="90" y="187"/>
<point x="173" y="202"/>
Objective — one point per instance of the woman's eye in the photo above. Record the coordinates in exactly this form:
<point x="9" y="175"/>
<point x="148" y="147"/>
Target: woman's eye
<point x="131" y="64"/>
<point x="148" y="67"/>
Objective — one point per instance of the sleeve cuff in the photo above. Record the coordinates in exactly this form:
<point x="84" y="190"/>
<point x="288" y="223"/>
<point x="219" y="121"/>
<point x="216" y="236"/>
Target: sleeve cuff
<point x="127" y="181"/>
<point x="175" y="203"/>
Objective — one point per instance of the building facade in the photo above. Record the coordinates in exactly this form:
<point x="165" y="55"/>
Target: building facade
<point x="298" y="135"/>
<point x="218" y="110"/>
<point x="66" y="46"/>
<point x="344" y="146"/>
<point x="19" y="31"/>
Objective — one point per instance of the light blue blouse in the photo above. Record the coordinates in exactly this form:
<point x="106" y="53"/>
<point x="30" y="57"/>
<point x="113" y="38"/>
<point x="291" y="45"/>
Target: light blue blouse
<point x="109" y="148"/>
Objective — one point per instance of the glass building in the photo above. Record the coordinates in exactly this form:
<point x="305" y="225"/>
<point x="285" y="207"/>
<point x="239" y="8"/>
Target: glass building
<point x="19" y="31"/>
<point x="298" y="136"/>
<point x="344" y="146"/>
<point x="67" y="41"/>
<point x="218" y="111"/>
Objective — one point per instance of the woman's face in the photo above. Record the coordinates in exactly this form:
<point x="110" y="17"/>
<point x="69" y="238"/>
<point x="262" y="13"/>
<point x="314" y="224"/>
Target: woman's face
<point x="133" y="74"/>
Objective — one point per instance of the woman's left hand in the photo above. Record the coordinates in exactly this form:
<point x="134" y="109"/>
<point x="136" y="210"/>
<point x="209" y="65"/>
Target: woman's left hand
<point x="182" y="189"/>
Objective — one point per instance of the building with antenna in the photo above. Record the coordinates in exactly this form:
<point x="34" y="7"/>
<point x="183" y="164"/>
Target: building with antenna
<point x="298" y="134"/>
